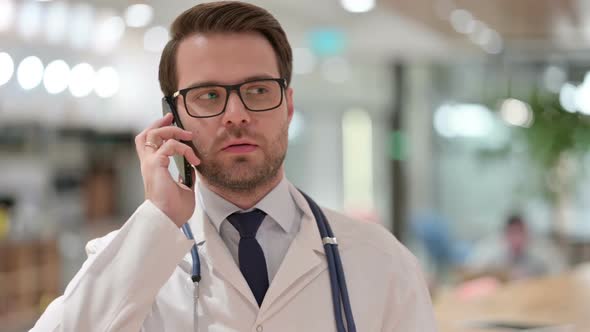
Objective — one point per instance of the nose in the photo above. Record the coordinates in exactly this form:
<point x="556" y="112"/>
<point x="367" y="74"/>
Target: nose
<point x="235" y="113"/>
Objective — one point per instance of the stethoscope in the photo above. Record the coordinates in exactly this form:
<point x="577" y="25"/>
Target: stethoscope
<point x="340" y="299"/>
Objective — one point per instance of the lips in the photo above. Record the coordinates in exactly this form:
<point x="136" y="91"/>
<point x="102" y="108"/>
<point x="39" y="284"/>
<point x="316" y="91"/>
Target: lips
<point x="240" y="146"/>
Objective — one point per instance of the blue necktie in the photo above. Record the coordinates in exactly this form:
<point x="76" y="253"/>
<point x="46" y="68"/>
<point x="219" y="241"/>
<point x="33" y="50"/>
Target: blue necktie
<point x="250" y="255"/>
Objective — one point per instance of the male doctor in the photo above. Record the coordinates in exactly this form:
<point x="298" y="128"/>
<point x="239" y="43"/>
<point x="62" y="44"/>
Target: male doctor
<point x="263" y="264"/>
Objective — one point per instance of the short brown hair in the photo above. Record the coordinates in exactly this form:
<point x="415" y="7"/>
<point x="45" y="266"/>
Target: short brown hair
<point x="223" y="16"/>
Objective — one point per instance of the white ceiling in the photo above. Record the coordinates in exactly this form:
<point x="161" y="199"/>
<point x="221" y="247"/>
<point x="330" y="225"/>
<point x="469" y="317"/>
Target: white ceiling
<point x="395" y="29"/>
<point x="378" y="34"/>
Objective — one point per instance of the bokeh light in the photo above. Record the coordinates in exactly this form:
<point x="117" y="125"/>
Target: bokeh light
<point x="6" y="68"/>
<point x="56" y="78"/>
<point x="30" y="72"/>
<point x="107" y="82"/>
<point x="82" y="80"/>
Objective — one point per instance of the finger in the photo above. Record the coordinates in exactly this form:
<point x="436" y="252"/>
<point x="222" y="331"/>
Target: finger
<point x="166" y="120"/>
<point x="140" y="139"/>
<point x="172" y="147"/>
<point x="159" y="135"/>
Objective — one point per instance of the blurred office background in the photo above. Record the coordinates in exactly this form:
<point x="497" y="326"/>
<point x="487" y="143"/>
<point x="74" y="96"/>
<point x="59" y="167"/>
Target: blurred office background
<point x="439" y="119"/>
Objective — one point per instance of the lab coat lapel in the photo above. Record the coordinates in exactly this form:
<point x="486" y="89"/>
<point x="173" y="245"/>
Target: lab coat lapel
<point x="303" y="262"/>
<point x="216" y="255"/>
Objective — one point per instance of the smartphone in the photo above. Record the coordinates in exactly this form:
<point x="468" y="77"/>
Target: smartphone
<point x="184" y="168"/>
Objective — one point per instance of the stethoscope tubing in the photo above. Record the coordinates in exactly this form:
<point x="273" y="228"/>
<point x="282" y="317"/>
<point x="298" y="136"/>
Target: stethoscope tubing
<point x="339" y="290"/>
<point x="337" y="279"/>
<point x="196" y="269"/>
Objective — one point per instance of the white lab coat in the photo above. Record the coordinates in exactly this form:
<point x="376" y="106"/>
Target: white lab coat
<point x="138" y="279"/>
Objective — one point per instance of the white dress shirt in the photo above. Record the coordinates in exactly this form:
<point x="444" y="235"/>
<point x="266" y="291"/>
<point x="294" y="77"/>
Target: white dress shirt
<point x="279" y="227"/>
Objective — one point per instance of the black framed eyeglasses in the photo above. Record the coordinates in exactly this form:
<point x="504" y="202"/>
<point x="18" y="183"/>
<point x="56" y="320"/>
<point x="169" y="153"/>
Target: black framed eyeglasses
<point x="259" y="95"/>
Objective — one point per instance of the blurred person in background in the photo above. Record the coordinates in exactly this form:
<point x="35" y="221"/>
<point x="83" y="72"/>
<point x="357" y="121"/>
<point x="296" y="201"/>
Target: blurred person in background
<point x="515" y="254"/>
<point x="263" y="263"/>
<point x="443" y="251"/>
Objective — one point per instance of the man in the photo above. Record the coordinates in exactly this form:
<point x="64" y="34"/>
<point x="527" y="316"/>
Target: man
<point x="516" y="254"/>
<point x="227" y="69"/>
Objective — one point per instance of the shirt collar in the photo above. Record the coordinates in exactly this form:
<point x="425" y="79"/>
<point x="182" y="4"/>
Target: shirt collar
<point x="278" y="204"/>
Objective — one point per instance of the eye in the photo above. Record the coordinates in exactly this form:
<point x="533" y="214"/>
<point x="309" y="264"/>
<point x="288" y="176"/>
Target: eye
<point x="209" y="95"/>
<point x="257" y="90"/>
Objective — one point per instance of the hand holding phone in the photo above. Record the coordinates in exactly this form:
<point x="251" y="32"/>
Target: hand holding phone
<point x="155" y="145"/>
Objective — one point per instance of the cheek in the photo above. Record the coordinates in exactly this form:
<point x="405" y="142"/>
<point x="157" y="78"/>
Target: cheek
<point x="202" y="139"/>
<point x="201" y="134"/>
<point x="274" y="126"/>
<point x="204" y="130"/>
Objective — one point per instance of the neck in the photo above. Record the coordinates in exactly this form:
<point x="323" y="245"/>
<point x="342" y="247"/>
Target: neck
<point x="246" y="199"/>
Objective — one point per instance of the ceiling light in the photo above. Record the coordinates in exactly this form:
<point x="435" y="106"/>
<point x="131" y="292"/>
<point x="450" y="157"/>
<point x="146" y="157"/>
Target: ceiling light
<point x="107" y="82"/>
<point x="6" y="68"/>
<point x="56" y="78"/>
<point x="30" y="72"/>
<point x="139" y="15"/>
<point x="358" y="6"/>
<point x="81" y="80"/>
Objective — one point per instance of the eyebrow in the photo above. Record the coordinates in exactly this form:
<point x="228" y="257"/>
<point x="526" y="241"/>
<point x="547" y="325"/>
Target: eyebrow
<point x="249" y="78"/>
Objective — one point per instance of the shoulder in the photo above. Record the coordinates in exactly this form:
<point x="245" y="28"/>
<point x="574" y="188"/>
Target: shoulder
<point x="146" y="221"/>
<point x="383" y="260"/>
<point x="375" y="238"/>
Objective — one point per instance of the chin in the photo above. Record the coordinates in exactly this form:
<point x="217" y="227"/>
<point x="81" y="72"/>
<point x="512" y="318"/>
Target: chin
<point x="243" y="169"/>
<point x="241" y="172"/>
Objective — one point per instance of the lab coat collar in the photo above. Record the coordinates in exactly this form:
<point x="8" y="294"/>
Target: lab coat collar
<point x="303" y="262"/>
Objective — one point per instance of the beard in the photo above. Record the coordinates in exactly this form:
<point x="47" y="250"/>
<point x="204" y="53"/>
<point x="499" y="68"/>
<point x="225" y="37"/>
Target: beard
<point x="244" y="173"/>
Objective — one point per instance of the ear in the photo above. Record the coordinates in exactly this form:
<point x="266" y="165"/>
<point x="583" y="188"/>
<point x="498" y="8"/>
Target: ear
<point x="290" y="105"/>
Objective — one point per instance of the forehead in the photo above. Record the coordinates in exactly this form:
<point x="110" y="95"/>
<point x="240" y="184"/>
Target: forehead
<point x="225" y="58"/>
